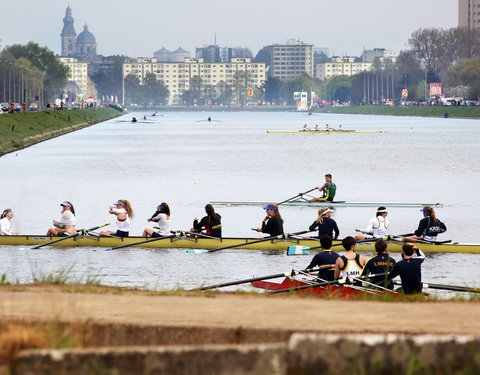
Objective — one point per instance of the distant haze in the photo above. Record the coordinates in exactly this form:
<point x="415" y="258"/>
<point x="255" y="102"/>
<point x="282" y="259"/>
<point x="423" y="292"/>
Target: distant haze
<point x="140" y="27"/>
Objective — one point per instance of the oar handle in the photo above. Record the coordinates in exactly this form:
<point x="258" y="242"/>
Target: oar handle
<point x="296" y="196"/>
<point x="140" y="242"/>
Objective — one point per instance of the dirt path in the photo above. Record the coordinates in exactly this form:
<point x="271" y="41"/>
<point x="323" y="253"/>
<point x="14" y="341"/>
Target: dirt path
<point x="249" y="311"/>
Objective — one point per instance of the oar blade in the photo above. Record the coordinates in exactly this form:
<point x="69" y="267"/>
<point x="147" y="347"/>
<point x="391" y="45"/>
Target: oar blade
<point x="298" y="250"/>
<point x="197" y="251"/>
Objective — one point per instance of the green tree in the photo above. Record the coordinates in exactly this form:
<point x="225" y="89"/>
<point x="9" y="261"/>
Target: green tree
<point x="273" y="90"/>
<point x="467" y="73"/>
<point x="339" y="88"/>
<point x="154" y="92"/>
<point x="109" y="81"/>
<point x="301" y="83"/>
<point x="133" y="94"/>
<point x="240" y="86"/>
<point x="225" y="93"/>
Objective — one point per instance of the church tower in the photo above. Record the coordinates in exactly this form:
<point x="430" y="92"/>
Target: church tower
<point x="69" y="36"/>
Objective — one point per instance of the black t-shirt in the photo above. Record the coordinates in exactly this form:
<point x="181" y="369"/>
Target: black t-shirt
<point x="410" y="271"/>
<point x="380" y="263"/>
<point x="321" y="259"/>
<point x="212" y="225"/>
<point x="328" y="227"/>
<point x="273" y="226"/>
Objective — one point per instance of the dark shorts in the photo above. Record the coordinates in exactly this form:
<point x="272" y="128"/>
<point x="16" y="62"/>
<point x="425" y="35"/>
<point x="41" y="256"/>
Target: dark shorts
<point x="155" y="235"/>
<point x="121" y="233"/>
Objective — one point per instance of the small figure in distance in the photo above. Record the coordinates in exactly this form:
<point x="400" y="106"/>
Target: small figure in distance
<point x="328" y="189"/>
<point x="272" y="223"/>
<point x="162" y="217"/>
<point x="377" y="226"/>
<point x="6" y="223"/>
<point x="306" y="128"/>
<point x="209" y="119"/>
<point x="428" y="228"/>
<point x="380" y="264"/>
<point x="123" y="211"/>
<point x="328" y="127"/>
<point x="325" y="224"/>
<point x="154" y="114"/>
<point x="212" y="223"/>
<point x="326" y="256"/>
<point x="144" y="117"/>
<point x="65" y="226"/>
<point x="409" y="269"/>
<point x="350" y="264"/>
<point x="317" y="129"/>
<point x="134" y="119"/>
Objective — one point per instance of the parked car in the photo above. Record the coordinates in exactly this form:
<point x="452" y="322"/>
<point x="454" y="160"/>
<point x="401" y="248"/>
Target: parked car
<point x="4" y="107"/>
<point x="33" y="107"/>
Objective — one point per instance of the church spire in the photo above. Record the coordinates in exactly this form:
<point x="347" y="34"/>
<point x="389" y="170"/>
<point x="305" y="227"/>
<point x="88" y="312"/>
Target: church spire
<point x="68" y="34"/>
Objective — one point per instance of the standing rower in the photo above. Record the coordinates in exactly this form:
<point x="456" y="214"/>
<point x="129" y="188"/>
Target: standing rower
<point x="328" y="189"/>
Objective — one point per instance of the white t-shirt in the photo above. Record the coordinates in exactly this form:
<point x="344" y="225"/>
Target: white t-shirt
<point x="6" y="227"/>
<point x="377" y="227"/>
<point x="124" y="226"/>
<point x="164" y="224"/>
<point x="67" y="218"/>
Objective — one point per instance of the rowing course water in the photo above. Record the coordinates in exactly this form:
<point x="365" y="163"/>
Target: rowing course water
<point x="180" y="159"/>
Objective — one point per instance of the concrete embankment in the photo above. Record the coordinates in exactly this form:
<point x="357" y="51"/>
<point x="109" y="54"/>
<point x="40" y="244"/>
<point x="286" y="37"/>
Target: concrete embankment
<point x="20" y="130"/>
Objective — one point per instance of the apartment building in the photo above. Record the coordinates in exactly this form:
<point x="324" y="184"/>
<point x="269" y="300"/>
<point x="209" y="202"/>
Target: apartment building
<point x="176" y="76"/>
<point x="369" y="55"/>
<point x="77" y="75"/>
<point x="340" y="66"/>
<point x="469" y="13"/>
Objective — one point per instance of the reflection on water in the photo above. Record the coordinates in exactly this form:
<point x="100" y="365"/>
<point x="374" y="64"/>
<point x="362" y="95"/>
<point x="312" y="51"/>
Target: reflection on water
<point x="187" y="162"/>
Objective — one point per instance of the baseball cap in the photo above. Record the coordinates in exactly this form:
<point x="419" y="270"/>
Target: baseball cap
<point x="119" y="203"/>
<point x="65" y="204"/>
<point x="270" y="207"/>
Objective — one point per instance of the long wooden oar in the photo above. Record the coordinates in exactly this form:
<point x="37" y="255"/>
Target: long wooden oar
<point x="296" y="196"/>
<point x="454" y="288"/>
<point x="279" y="237"/>
<point x="141" y="242"/>
<point x="305" y="250"/>
<point x="260" y="278"/>
<point x="79" y="232"/>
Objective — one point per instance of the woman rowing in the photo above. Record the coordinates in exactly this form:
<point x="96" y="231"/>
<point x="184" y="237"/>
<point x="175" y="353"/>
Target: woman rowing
<point x="325" y="224"/>
<point x="65" y="226"/>
<point x="6" y="223"/>
<point x="272" y="223"/>
<point x="428" y="228"/>
<point x="122" y="209"/>
<point x="377" y="226"/>
<point x="212" y="223"/>
<point x="162" y="217"/>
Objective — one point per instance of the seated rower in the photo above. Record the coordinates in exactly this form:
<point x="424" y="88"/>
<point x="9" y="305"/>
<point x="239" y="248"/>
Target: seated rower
<point x="380" y="264"/>
<point x="65" y="226"/>
<point x="328" y="189"/>
<point x="212" y="223"/>
<point x="134" y="119"/>
<point x="323" y="258"/>
<point x="428" y="228"/>
<point x="6" y="223"/>
<point x="350" y="264"/>
<point x="316" y="128"/>
<point x="325" y="224"/>
<point x="306" y="128"/>
<point x="122" y="209"/>
<point x="409" y="269"/>
<point x="162" y="217"/>
<point x="377" y="227"/>
<point x="144" y="117"/>
<point x="272" y="223"/>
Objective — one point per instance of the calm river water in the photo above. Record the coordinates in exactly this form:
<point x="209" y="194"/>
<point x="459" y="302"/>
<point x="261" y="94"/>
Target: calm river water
<point x="186" y="161"/>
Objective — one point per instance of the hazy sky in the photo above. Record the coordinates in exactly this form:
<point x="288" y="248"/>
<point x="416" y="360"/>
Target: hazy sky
<point x="140" y="27"/>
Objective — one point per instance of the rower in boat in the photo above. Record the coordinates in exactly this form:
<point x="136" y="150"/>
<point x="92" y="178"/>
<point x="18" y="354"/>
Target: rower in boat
<point x="306" y="128"/>
<point x="326" y="256"/>
<point x="377" y="226"/>
<point x="409" y="269"/>
<point x="212" y="223"/>
<point x="328" y="189"/>
<point x="144" y="117"/>
<point x="350" y="264"/>
<point x="66" y="224"/>
<point x="122" y="209"/>
<point x="162" y="217"/>
<point x="380" y="264"/>
<point x="272" y="223"/>
<point x="325" y="224"/>
<point x="316" y="128"/>
<point x="428" y="228"/>
<point x="134" y="119"/>
<point x="6" y="223"/>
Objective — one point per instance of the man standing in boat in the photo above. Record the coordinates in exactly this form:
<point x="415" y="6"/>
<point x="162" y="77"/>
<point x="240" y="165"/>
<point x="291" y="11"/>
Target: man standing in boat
<point x="328" y="189"/>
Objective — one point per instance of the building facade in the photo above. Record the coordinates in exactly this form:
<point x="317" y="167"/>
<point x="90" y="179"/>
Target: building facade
<point x="469" y="13"/>
<point x="177" y="76"/>
<point x="83" y="46"/>
<point x="383" y="54"/>
<point x="77" y="78"/>
<point x="340" y="66"/>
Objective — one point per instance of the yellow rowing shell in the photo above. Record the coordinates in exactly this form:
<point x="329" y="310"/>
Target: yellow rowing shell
<point x="323" y="131"/>
<point x="209" y="244"/>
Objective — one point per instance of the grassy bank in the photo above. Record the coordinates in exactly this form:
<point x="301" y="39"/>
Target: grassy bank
<point x="453" y="112"/>
<point x="20" y="130"/>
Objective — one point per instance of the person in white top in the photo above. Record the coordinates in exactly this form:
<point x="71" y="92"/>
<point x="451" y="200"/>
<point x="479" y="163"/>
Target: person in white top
<point x="6" y="223"/>
<point x="65" y="226"/>
<point x="377" y="227"/>
<point x="162" y="217"/>
<point x="122" y="209"/>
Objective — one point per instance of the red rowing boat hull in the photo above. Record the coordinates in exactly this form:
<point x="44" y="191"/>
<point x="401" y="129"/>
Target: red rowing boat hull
<point x="327" y="290"/>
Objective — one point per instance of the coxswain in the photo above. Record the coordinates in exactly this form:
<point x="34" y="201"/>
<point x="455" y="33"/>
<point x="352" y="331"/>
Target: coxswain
<point x="409" y="269"/>
<point x="6" y="223"/>
<point x="428" y="228"/>
<point x="123" y="211"/>
<point x="272" y="223"/>
<point x="377" y="226"/>
<point x="380" y="264"/>
<point x="212" y="223"/>
<point x="328" y="189"/>
<point x="325" y="224"/>
<point x="65" y="226"/>
<point x="350" y="264"/>
<point x="162" y="217"/>
<point x="323" y="258"/>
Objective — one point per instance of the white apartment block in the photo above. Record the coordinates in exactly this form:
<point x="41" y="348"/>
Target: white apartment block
<point x="176" y="76"/>
<point x="469" y="13"/>
<point x="78" y="73"/>
<point x="383" y="54"/>
<point x="340" y="66"/>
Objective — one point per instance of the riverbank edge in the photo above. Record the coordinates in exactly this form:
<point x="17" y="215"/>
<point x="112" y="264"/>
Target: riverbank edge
<point x="25" y="142"/>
